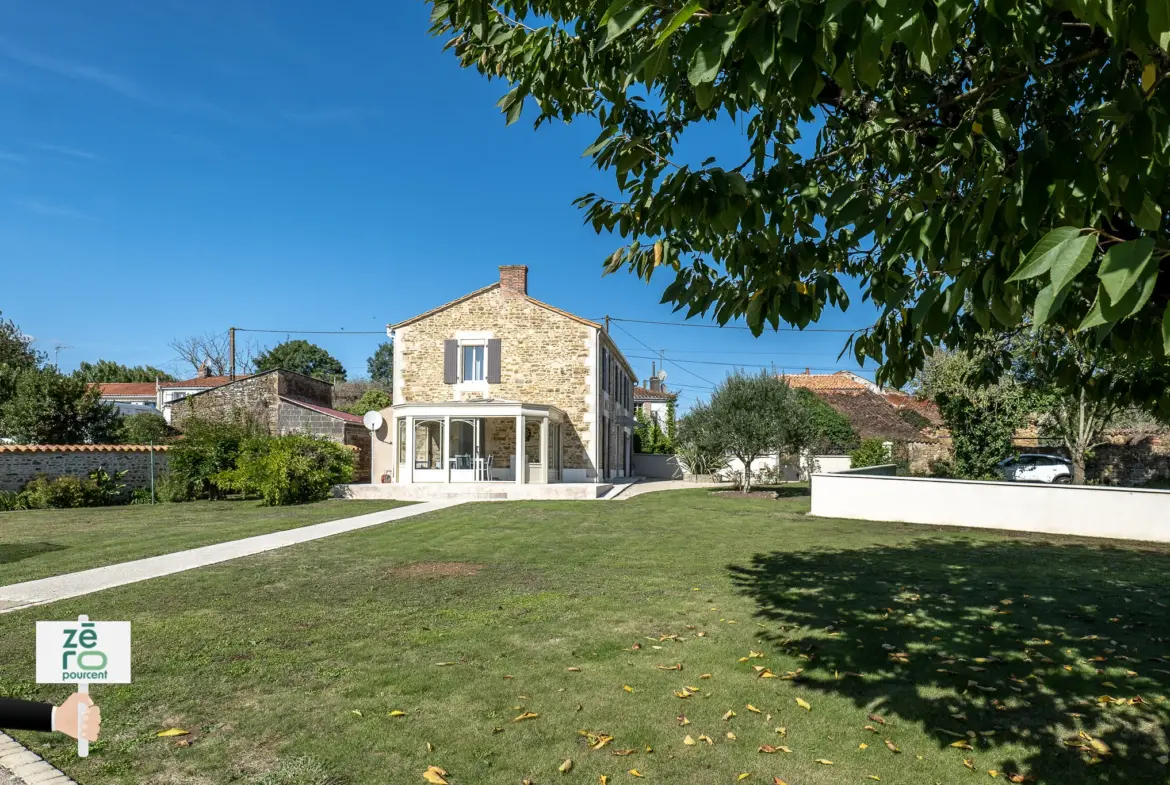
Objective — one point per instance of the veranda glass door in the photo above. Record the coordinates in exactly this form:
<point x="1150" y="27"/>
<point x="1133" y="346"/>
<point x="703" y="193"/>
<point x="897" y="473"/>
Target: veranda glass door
<point x="467" y="453"/>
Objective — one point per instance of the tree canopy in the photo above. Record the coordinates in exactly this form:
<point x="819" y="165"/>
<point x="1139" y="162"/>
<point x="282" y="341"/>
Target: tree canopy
<point x="46" y="407"/>
<point x="967" y="161"/>
<point x="302" y="357"/>
<point x="380" y="365"/>
<point x="110" y="371"/>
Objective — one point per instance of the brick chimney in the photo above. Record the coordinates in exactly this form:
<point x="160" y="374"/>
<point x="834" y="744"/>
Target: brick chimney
<point x="514" y="280"/>
<point x="655" y="382"/>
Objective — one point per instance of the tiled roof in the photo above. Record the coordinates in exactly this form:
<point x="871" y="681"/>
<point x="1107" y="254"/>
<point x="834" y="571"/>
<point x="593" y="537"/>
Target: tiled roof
<point x="203" y="381"/>
<point x="842" y="380"/>
<point x="928" y="409"/>
<point x="643" y="394"/>
<point x="125" y="388"/>
<point x="871" y="415"/>
<point x="324" y="410"/>
<point x="78" y="447"/>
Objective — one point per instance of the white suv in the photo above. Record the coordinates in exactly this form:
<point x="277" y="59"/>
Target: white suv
<point x="1037" y="468"/>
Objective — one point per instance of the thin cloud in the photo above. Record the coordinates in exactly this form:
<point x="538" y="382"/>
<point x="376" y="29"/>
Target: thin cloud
<point x="40" y="207"/>
<point x="327" y="115"/>
<point x="113" y="82"/>
<point x="12" y="158"/>
<point x="72" y="152"/>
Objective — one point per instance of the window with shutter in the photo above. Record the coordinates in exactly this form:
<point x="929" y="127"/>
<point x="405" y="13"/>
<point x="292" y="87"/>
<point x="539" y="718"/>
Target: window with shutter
<point x="493" y="360"/>
<point x="450" y="362"/>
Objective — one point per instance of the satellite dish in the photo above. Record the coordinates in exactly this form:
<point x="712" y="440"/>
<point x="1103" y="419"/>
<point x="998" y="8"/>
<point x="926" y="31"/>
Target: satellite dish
<point x="662" y="376"/>
<point x="372" y="420"/>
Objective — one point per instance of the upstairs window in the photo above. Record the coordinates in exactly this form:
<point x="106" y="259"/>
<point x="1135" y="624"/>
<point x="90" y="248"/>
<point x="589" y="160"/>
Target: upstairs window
<point x="474" y="363"/>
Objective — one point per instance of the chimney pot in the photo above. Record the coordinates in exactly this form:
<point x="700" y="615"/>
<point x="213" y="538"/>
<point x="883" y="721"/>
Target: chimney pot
<point x="514" y="280"/>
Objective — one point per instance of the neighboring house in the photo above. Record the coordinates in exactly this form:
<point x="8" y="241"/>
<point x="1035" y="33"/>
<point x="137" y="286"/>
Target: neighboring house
<point x="130" y="397"/>
<point x="873" y="415"/>
<point x="158" y="395"/>
<point x="652" y="399"/>
<point x="498" y="387"/>
<point x="284" y="402"/>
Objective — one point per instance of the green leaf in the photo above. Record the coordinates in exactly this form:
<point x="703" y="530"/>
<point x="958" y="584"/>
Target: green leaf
<point x="622" y="21"/>
<point x="705" y="95"/>
<point x="677" y="21"/>
<point x="706" y="61"/>
<point x="512" y="105"/>
<point x="1003" y="125"/>
<point x="1150" y="216"/>
<point x="1048" y="300"/>
<point x="1094" y="318"/>
<point x="1045" y="253"/>
<point x="1158" y="14"/>
<point x="1123" y="265"/>
<point x="615" y="7"/>
<point x="761" y="42"/>
<point x="1166" y="331"/>
<point x="745" y="19"/>
<point x="1074" y="256"/>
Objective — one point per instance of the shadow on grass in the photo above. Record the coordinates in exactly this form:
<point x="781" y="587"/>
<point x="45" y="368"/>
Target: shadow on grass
<point x="1023" y="638"/>
<point x="17" y="551"/>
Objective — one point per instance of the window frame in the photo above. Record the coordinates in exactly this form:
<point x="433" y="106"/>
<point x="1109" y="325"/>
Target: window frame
<point x="472" y="343"/>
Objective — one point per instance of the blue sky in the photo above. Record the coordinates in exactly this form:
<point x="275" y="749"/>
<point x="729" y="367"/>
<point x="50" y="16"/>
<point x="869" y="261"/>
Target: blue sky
<point x="173" y="167"/>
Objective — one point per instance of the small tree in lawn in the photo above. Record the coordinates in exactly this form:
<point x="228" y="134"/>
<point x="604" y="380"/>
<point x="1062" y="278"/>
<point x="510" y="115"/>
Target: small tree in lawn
<point x="755" y="416"/>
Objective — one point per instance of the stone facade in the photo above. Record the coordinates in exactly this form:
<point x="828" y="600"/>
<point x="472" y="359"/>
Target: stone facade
<point x="269" y="398"/>
<point x="546" y="357"/>
<point x="21" y="463"/>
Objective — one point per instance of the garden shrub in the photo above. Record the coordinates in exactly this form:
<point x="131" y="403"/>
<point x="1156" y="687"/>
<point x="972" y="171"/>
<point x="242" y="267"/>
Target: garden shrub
<point x="871" y="452"/>
<point x="208" y="448"/>
<point x="290" y="469"/>
<point x="100" y="489"/>
<point x="12" y="500"/>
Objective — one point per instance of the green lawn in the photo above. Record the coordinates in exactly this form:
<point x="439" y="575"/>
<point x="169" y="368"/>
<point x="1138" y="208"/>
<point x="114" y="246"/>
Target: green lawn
<point x="40" y="543"/>
<point x="285" y="666"/>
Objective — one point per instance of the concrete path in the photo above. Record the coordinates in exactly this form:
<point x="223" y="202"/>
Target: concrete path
<point x="651" y="486"/>
<point x="60" y="587"/>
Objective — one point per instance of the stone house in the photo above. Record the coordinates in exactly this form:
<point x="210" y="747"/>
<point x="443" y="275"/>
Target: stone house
<point x="283" y="402"/>
<point x="652" y="397"/>
<point x="497" y="387"/>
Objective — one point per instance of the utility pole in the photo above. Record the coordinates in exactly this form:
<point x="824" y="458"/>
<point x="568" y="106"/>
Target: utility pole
<point x="232" y="350"/>
<point x="607" y="324"/>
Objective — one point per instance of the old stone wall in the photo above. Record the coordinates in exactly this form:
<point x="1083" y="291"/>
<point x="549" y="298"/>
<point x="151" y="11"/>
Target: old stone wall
<point x="297" y="419"/>
<point x="255" y="397"/>
<point x="21" y="463"/>
<point x="544" y="358"/>
<point x="358" y="437"/>
<point x="304" y="388"/>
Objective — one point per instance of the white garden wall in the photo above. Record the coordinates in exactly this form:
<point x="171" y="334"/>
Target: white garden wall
<point x="1088" y="511"/>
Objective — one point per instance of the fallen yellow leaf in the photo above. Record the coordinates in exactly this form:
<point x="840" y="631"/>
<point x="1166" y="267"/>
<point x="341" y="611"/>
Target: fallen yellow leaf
<point x="750" y="707"/>
<point x="355" y="711"/>
<point x="743" y="775"/>
<point x="627" y="688"/>
<point x="603" y="780"/>
<point x="802" y="703"/>
<point x="873" y="777"/>
<point x="528" y="715"/>
<point x="730" y="735"/>
<point x="863" y="746"/>
<point x="824" y="762"/>
<point x="682" y="720"/>
<point x="687" y="740"/>
<point x="574" y="670"/>
<point x="566" y="767"/>
<point x="635" y="773"/>
<point x="705" y="676"/>
<point x="729" y="714"/>
<point x="962" y="745"/>
<point x="173" y="732"/>
<point x="397" y="713"/>
<point x="707" y="739"/>
<point x="435" y="775"/>
<point x="969" y="763"/>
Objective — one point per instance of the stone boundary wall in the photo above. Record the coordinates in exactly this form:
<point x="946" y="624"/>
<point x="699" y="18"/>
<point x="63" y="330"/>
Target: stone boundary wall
<point x="21" y="463"/>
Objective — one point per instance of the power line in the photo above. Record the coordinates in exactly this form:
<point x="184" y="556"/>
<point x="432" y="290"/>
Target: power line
<point x="313" y="332"/>
<point x="766" y="367"/>
<point x="672" y="362"/>
<point x="734" y="327"/>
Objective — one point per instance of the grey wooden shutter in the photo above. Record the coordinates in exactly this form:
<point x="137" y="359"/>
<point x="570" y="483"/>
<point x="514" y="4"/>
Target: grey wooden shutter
<point x="450" y="362"/>
<point x="493" y="360"/>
